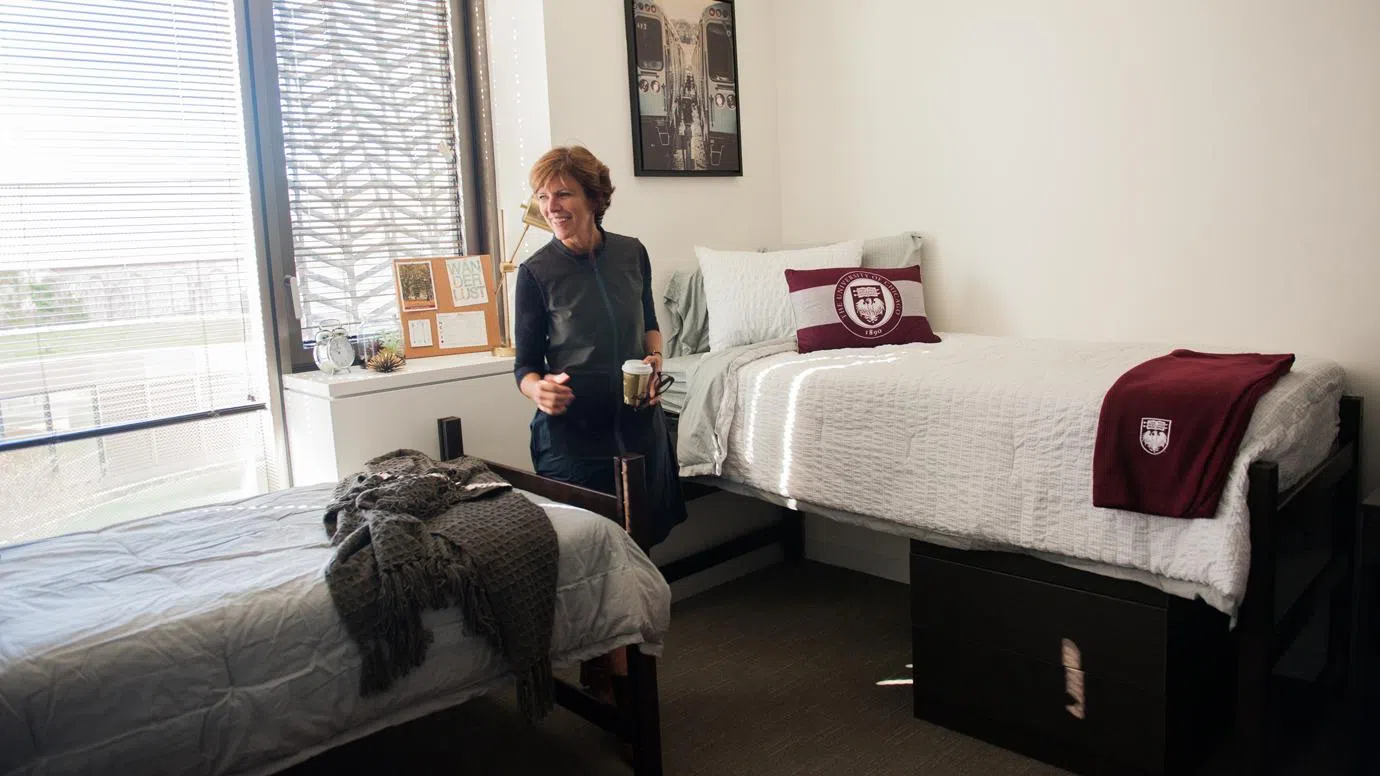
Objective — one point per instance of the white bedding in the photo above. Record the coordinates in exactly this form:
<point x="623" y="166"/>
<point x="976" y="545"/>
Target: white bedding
<point x="205" y="641"/>
<point x="983" y="441"/>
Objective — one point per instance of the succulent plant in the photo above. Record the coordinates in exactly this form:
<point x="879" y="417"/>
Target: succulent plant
<point x="386" y="360"/>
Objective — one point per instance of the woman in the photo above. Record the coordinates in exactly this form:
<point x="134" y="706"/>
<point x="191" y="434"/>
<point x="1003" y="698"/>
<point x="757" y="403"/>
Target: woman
<point x="583" y="306"/>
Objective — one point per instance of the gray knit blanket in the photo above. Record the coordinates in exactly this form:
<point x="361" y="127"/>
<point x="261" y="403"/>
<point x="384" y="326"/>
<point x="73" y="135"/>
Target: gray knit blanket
<point x="412" y="534"/>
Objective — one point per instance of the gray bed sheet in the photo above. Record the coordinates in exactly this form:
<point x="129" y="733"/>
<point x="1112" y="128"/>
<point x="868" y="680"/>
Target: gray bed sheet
<point x="205" y="641"/>
<point x="683" y="369"/>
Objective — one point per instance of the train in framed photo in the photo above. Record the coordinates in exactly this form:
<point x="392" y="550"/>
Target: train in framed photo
<point x="683" y="86"/>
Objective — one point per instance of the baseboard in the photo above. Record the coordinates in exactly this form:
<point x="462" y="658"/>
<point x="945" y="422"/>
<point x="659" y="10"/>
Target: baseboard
<point x="857" y="549"/>
<point x="715" y="519"/>
<point x="862" y="561"/>
<point x="727" y="571"/>
<point x="722" y="516"/>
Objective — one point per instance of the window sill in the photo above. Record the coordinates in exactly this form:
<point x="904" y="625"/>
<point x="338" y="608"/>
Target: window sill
<point x="359" y="381"/>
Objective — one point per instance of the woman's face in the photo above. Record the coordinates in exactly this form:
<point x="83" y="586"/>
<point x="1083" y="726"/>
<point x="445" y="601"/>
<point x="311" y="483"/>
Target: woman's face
<point x="566" y="208"/>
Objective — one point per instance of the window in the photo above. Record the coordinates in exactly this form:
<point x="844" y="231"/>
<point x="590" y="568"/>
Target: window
<point x="133" y="377"/>
<point x="366" y="109"/>
<point x="148" y="217"/>
<point x="720" y="52"/>
<point x="649" y="44"/>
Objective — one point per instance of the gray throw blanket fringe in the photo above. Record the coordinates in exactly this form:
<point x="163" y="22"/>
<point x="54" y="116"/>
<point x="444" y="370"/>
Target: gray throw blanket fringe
<point x="411" y="534"/>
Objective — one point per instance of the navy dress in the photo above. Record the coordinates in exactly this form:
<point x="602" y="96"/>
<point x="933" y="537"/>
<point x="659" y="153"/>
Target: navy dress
<point x="585" y="315"/>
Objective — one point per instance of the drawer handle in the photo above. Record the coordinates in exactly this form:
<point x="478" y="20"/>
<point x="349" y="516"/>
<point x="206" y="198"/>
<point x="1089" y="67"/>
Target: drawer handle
<point x="1074" y="689"/>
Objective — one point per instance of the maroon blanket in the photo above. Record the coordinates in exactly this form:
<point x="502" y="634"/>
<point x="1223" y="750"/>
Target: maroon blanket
<point x="1170" y="428"/>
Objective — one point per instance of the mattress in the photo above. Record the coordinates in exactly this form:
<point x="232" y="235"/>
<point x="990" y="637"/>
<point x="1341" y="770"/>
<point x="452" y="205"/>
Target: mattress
<point x="681" y="368"/>
<point x="205" y="641"/>
<point x="984" y="442"/>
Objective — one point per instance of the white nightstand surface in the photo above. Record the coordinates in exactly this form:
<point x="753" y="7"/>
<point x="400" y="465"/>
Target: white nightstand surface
<point x="417" y="372"/>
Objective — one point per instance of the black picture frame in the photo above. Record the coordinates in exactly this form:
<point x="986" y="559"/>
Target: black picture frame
<point x="684" y="94"/>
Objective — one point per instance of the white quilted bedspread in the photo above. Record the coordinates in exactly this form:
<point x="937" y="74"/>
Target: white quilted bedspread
<point x="983" y="441"/>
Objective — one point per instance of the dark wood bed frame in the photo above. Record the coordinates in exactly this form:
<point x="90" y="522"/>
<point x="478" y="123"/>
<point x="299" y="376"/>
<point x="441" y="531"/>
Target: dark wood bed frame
<point x="1103" y="675"/>
<point x="639" y="724"/>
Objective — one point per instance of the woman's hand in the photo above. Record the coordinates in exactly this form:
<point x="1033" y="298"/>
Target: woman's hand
<point x="550" y="393"/>
<point x="652" y="397"/>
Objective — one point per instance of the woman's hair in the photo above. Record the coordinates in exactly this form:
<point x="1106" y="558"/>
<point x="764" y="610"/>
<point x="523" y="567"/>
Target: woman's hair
<point x="577" y="164"/>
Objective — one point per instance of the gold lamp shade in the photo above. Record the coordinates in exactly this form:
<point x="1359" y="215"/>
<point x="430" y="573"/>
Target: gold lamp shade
<point x="531" y="215"/>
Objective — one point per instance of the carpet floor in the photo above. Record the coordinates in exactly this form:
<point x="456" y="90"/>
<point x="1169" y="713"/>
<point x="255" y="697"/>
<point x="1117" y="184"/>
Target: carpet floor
<point x="782" y="672"/>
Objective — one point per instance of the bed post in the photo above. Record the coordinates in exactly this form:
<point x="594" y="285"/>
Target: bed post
<point x="630" y="487"/>
<point x="642" y="719"/>
<point x="450" y="437"/>
<point x="792" y="534"/>
<point x="1349" y="636"/>
<point x="1255" y="652"/>
<point x="1264" y="632"/>
<point x="639" y="720"/>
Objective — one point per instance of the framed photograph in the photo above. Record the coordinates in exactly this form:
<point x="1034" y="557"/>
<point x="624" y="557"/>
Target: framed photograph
<point x="416" y="286"/>
<point x="683" y="87"/>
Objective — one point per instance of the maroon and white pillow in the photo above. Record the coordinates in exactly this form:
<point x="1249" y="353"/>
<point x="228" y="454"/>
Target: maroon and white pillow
<point x="852" y="307"/>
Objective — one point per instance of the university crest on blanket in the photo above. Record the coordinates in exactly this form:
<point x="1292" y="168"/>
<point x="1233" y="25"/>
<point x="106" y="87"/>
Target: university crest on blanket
<point x="1154" y="434"/>
<point x="1209" y="398"/>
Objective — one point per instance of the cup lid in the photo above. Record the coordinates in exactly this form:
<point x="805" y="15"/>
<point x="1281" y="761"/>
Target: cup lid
<point x="635" y="366"/>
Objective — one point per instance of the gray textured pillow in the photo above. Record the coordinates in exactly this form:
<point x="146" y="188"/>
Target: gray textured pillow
<point x="901" y="250"/>
<point x="687" y="330"/>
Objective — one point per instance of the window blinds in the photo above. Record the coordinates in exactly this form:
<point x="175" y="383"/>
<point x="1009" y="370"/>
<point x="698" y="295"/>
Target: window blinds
<point x="128" y="291"/>
<point x="368" y="120"/>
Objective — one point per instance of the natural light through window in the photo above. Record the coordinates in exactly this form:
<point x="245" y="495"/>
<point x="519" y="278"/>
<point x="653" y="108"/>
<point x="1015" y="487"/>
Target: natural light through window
<point x="907" y="682"/>
<point x="755" y="396"/>
<point x="128" y="290"/>
<point x="369" y="129"/>
<point x="793" y="404"/>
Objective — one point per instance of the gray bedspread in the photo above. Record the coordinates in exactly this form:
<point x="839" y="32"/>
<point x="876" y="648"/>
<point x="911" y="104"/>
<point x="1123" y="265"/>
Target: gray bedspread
<point x="205" y="641"/>
<point x="707" y="409"/>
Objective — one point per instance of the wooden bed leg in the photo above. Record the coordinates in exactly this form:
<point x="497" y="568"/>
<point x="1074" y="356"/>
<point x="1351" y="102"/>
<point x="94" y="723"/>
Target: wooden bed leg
<point x="643" y="723"/>
<point x="793" y="534"/>
<point x="1255" y="645"/>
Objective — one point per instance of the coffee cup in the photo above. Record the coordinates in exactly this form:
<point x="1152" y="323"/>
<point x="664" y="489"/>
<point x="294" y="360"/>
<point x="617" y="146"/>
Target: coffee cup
<point x="638" y="381"/>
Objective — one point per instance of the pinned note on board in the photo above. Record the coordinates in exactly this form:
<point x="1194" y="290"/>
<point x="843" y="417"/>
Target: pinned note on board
<point x="448" y="305"/>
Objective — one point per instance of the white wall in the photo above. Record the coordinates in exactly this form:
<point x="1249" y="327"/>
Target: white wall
<point x="518" y="106"/>
<point x="587" y="73"/>
<point x="518" y="109"/>
<point x="1182" y="171"/>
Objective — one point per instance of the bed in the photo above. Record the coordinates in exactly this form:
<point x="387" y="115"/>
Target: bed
<point x="1095" y="639"/>
<point x="205" y="640"/>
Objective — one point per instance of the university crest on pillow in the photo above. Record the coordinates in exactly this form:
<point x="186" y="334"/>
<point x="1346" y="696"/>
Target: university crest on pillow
<point x="851" y="307"/>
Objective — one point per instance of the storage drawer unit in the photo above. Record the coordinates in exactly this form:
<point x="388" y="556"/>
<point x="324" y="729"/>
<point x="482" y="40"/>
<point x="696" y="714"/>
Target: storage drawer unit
<point x="1090" y="673"/>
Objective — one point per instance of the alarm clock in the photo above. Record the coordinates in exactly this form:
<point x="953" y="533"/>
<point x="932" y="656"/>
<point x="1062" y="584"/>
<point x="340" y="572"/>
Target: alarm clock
<point x="334" y="352"/>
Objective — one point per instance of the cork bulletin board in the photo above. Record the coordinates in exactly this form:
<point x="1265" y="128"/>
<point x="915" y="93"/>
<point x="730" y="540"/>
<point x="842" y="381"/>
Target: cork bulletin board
<point x="448" y="305"/>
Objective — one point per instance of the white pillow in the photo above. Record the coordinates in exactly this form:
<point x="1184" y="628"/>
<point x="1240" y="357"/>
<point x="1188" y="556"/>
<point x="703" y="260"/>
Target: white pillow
<point x="746" y="291"/>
